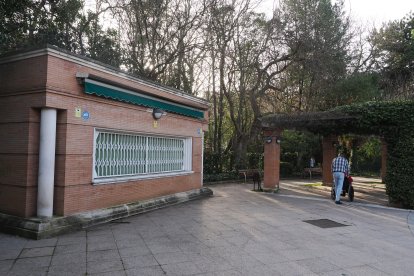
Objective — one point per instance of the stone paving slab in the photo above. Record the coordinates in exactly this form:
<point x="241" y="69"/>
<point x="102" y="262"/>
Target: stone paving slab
<point x="69" y="259"/>
<point x="235" y="232"/>
<point x="39" y="228"/>
<point x="37" y="252"/>
<point x="367" y="190"/>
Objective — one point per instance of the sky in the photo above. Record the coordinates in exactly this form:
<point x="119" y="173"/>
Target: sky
<point x="366" y="12"/>
<point x="378" y="11"/>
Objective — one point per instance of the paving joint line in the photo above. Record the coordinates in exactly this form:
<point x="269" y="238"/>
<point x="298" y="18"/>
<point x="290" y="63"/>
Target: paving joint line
<point x="117" y="248"/>
<point x="408" y="222"/>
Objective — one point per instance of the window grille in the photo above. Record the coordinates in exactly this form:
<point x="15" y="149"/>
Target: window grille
<point x="125" y="154"/>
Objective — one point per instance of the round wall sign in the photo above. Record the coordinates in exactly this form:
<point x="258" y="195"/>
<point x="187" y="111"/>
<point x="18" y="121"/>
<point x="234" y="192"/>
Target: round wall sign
<point x="85" y="115"/>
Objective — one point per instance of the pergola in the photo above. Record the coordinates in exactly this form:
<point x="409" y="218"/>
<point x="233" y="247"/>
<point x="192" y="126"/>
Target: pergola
<point x="329" y="124"/>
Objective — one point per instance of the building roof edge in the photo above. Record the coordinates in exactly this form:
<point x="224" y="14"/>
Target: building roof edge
<point x="62" y="53"/>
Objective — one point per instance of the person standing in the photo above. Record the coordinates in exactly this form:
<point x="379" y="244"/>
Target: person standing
<point x="340" y="168"/>
<point x="312" y="162"/>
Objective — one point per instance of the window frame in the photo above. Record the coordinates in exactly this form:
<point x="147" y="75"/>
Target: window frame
<point x="187" y="159"/>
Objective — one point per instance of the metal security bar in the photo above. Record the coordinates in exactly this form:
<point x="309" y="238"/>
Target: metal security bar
<point x="121" y="154"/>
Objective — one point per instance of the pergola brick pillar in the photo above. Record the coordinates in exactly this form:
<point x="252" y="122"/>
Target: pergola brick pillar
<point x="383" y="160"/>
<point x="329" y="153"/>
<point x="271" y="160"/>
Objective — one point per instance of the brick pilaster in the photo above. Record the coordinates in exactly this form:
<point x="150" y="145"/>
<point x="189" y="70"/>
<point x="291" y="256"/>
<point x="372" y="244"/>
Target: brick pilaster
<point x="271" y="160"/>
<point x="329" y="153"/>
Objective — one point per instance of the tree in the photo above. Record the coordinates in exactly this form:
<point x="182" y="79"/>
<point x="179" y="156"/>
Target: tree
<point x="30" y="23"/>
<point x="158" y="36"/>
<point x="319" y="31"/>
<point x="249" y="54"/>
<point x="354" y="88"/>
<point x="394" y="57"/>
<point x="222" y="21"/>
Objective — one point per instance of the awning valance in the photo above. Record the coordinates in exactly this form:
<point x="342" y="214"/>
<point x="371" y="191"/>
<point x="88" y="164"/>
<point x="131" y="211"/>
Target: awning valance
<point x="119" y="94"/>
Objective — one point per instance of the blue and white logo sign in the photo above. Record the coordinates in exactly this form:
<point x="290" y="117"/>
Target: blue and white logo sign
<point x="85" y="115"/>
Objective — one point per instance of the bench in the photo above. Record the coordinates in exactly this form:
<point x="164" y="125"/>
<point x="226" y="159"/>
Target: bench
<point x="312" y="171"/>
<point x="247" y="173"/>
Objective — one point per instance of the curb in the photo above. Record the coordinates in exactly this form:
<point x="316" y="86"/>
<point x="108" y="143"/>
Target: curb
<point x="37" y="228"/>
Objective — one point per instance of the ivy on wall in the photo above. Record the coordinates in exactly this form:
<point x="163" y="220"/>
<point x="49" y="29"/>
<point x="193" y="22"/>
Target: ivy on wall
<point x="394" y="122"/>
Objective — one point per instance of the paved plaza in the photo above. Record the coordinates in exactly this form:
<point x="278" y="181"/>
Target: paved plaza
<point x="235" y="232"/>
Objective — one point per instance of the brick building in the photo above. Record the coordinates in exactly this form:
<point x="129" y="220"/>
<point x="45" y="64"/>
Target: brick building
<point x="77" y="135"/>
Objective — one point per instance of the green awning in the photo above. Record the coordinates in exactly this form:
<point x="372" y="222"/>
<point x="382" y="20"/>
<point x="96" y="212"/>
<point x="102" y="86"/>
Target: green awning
<point x="111" y="92"/>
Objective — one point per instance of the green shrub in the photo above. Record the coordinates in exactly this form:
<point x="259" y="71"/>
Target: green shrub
<point x="216" y="163"/>
<point x="255" y="160"/>
<point x="298" y="147"/>
<point x="400" y="169"/>
<point x="286" y="169"/>
<point x="366" y="157"/>
<point x="220" y="177"/>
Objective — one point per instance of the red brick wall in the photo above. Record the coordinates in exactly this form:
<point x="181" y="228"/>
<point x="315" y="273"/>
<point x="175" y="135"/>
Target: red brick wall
<point x="74" y="191"/>
<point x="74" y="159"/>
<point x="19" y="132"/>
<point x="22" y="86"/>
<point x="88" y="197"/>
<point x="329" y="153"/>
<point x="61" y="73"/>
<point x="23" y="76"/>
<point x="271" y="160"/>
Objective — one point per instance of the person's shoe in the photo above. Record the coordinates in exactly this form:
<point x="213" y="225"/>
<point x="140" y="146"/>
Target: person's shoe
<point x="338" y="202"/>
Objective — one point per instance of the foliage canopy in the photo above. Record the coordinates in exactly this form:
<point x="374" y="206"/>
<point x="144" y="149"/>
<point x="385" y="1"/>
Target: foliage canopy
<point x="394" y="121"/>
